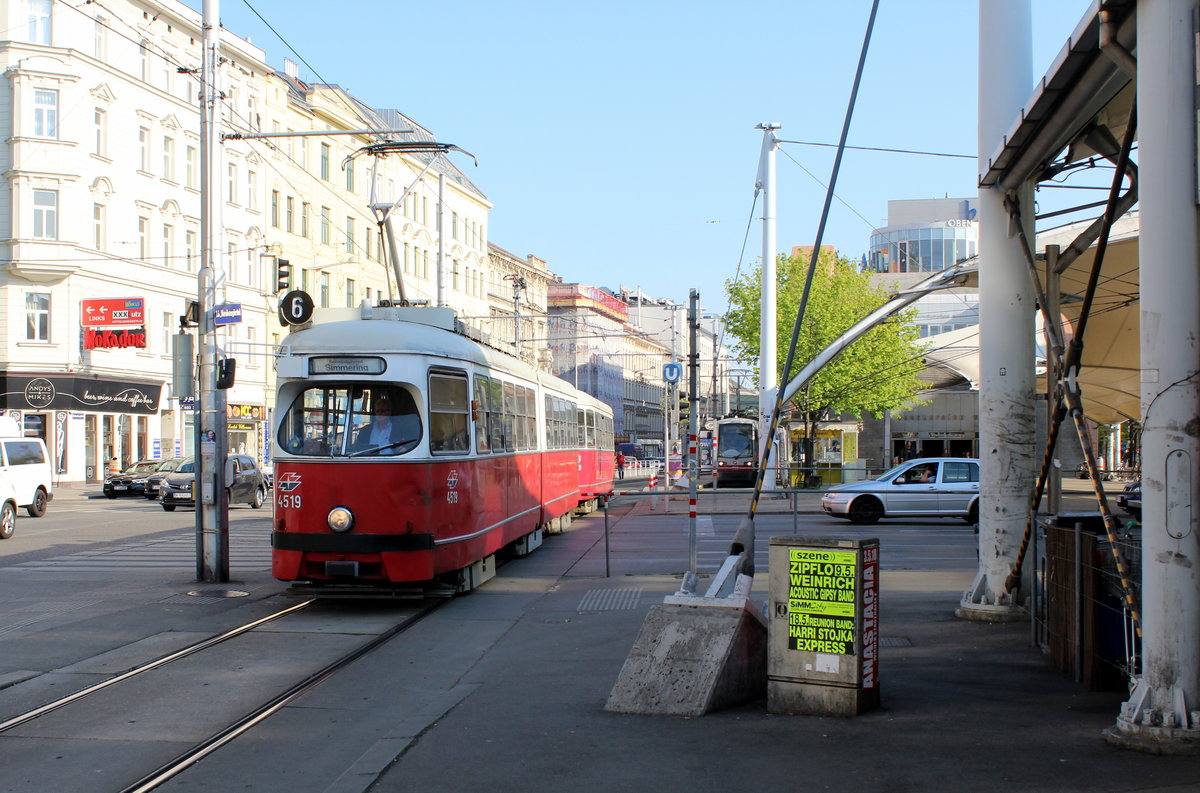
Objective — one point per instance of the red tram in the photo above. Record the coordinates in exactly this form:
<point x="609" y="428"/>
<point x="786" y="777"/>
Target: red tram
<point x="405" y="452"/>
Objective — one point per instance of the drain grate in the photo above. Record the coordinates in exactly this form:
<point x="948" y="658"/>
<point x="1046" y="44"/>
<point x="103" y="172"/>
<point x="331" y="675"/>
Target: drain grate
<point x="894" y="641"/>
<point x="610" y="600"/>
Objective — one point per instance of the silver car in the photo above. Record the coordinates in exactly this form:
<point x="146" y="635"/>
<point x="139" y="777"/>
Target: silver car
<point x="931" y="487"/>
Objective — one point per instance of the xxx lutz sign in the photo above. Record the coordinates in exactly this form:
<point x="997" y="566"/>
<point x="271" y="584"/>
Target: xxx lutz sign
<point x="111" y="312"/>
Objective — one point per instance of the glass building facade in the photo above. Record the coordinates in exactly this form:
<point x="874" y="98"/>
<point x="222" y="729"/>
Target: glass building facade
<point x="922" y="247"/>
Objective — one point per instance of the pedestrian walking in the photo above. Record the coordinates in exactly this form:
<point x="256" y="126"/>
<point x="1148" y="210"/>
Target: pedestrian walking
<point x="620" y="466"/>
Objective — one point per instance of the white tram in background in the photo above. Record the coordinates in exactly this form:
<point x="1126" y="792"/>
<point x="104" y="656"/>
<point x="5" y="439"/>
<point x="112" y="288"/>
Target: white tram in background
<point x="735" y="451"/>
<point x="480" y="453"/>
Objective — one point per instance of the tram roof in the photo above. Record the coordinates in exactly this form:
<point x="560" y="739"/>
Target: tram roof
<point x="413" y="331"/>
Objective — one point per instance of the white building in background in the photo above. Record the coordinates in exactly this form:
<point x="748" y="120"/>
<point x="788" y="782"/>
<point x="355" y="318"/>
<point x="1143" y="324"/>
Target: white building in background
<point x="100" y="223"/>
<point x="924" y="236"/>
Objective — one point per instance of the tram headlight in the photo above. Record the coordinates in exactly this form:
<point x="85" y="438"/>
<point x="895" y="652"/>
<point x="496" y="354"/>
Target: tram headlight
<point x="340" y="519"/>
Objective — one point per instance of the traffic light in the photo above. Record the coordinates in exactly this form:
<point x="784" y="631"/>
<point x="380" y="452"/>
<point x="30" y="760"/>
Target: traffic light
<point x="283" y="275"/>
<point x="684" y="408"/>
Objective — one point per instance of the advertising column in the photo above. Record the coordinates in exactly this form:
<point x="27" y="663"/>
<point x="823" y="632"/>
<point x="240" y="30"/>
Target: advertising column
<point x="823" y="637"/>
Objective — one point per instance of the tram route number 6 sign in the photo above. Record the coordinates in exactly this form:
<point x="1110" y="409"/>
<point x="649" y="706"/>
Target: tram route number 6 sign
<point x="295" y="308"/>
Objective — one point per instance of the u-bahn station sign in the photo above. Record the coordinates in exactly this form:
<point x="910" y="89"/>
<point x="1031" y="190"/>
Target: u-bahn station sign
<point x="823" y="636"/>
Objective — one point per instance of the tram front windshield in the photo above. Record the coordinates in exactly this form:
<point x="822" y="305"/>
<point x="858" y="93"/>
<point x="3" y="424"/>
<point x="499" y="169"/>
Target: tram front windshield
<point x="736" y="441"/>
<point x="350" y="420"/>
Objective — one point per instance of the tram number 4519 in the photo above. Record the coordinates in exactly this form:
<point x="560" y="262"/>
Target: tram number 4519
<point x="451" y="496"/>
<point x="288" y="500"/>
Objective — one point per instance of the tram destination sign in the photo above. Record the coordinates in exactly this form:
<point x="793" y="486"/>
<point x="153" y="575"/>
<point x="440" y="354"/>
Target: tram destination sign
<point x="345" y="364"/>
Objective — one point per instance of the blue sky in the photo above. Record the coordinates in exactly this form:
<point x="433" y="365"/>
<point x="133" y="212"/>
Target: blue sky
<point x="616" y="138"/>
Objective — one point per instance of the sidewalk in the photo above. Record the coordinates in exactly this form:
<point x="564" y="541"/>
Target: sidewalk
<point x="966" y="706"/>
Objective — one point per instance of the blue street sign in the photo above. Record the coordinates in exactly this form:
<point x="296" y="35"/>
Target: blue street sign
<point x="672" y="372"/>
<point x="227" y="313"/>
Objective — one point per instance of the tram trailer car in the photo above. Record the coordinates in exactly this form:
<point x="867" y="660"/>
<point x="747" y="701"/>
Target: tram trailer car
<point x="479" y="452"/>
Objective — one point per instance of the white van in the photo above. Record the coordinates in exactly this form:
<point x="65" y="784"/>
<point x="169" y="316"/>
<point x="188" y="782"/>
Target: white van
<point x="26" y="464"/>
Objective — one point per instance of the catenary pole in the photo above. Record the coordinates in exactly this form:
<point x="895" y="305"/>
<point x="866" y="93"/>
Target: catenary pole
<point x="212" y="505"/>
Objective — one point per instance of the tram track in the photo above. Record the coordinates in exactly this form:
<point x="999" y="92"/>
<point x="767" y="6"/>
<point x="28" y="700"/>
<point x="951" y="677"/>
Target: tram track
<point x="136" y="696"/>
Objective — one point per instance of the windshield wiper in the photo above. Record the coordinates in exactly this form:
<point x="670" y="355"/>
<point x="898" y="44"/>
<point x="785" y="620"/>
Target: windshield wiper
<point x="375" y="449"/>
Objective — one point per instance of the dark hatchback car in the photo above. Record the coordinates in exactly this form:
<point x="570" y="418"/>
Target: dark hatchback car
<point x="176" y="490"/>
<point x="1130" y="499"/>
<point x="131" y="481"/>
<point x="164" y="467"/>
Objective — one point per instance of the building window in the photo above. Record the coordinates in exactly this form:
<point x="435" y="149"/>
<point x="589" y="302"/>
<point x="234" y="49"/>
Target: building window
<point x="189" y="250"/>
<point x="325" y="290"/>
<point x="305" y="209"/>
<point x="144" y="58"/>
<point x="325" y="225"/>
<point x="350" y="176"/>
<point x="45" y="114"/>
<point x="325" y="161"/>
<point x="290" y="216"/>
<point x="350" y="285"/>
<point x="168" y="158"/>
<point x="143" y="239"/>
<point x="349" y="235"/>
<point x="231" y="178"/>
<point x="37" y="316"/>
<point x="45" y="214"/>
<point x="98" y="226"/>
<point x="168" y="331"/>
<point x="99" y="39"/>
<point x="168" y="245"/>
<point x="39" y="21"/>
<point x="100" y="119"/>
<point x="251" y="189"/>
<point x="190" y="164"/>
<point x="275" y="208"/>
<point x="143" y="149"/>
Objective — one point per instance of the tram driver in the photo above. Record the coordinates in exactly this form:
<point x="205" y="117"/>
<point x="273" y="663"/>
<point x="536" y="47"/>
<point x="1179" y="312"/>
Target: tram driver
<point x="389" y="431"/>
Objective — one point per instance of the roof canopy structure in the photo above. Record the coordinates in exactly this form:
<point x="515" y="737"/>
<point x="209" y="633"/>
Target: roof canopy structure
<point x="1076" y="118"/>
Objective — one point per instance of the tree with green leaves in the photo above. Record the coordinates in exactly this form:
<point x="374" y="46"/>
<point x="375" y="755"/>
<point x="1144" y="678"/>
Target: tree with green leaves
<point x="878" y="372"/>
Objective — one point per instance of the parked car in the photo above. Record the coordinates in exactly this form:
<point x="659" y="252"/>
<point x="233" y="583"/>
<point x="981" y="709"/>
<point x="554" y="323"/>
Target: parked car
<point x="8" y="507"/>
<point x="177" y="489"/>
<point x="131" y="481"/>
<point x="931" y="487"/>
<point x="1130" y="499"/>
<point x="160" y="473"/>
<point x="27" y="464"/>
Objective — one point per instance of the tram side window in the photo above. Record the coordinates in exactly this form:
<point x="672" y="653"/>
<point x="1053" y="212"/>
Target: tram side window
<point x="496" y="414"/>
<point x="522" y="443"/>
<point x="510" y="442"/>
<point x="448" y="412"/>
<point x="591" y="429"/>
<point x="531" y="416"/>
<point x="560" y="412"/>
<point x="580" y="429"/>
<point x="482" y="434"/>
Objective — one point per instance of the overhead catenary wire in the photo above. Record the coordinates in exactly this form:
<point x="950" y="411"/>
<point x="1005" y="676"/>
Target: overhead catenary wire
<point x="777" y="410"/>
